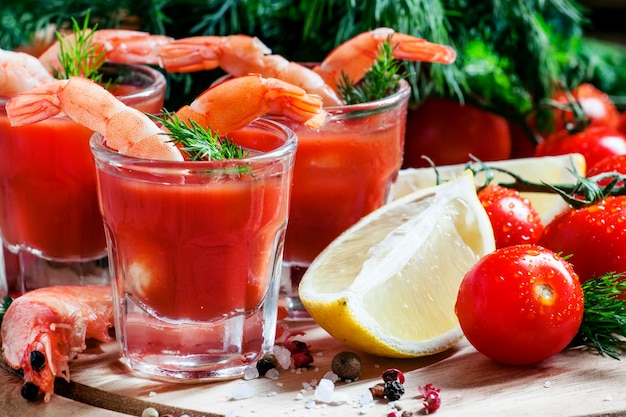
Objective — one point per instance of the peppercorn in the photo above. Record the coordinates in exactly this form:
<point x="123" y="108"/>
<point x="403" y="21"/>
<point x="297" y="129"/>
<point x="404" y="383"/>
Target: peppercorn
<point x="265" y="364"/>
<point x="393" y="374"/>
<point x="378" y="390"/>
<point x="346" y="365"/>
<point x="393" y="390"/>
<point x="30" y="391"/>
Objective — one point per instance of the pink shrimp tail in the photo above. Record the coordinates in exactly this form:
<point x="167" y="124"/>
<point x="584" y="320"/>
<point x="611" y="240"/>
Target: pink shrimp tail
<point x="36" y="105"/>
<point x="415" y="49"/>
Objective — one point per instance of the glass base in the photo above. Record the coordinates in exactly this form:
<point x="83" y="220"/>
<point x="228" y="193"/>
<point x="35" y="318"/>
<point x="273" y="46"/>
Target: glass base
<point x="24" y="271"/>
<point x="290" y="281"/>
<point x="192" y="351"/>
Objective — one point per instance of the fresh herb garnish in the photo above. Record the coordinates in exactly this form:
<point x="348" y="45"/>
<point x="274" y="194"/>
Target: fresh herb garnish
<point x="380" y="81"/>
<point x="604" y="321"/>
<point x="199" y="143"/>
<point x="80" y="56"/>
<point x="6" y="302"/>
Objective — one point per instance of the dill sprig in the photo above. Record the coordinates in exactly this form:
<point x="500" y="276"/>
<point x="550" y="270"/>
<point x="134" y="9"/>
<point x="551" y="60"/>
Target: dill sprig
<point x="604" y="319"/>
<point x="197" y="142"/>
<point x="380" y="81"/>
<point x="80" y="57"/>
<point x="6" y="302"/>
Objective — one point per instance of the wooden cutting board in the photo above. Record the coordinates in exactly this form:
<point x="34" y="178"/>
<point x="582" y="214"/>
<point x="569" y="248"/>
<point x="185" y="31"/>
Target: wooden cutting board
<point x="573" y="383"/>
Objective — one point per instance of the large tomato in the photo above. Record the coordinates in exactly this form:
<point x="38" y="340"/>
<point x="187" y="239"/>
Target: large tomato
<point x="594" y="143"/>
<point x="520" y="304"/>
<point x="448" y="132"/>
<point x="594" y="236"/>
<point x="513" y="218"/>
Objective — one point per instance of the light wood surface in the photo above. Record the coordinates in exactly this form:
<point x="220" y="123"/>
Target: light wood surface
<point x="573" y="383"/>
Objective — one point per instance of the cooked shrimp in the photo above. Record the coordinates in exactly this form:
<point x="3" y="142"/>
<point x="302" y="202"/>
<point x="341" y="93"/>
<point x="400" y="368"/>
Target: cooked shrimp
<point x="118" y="45"/>
<point x="240" y="100"/>
<point x="126" y="129"/>
<point x="222" y="108"/>
<point x="241" y="55"/>
<point x="44" y="329"/>
<point x="355" y="56"/>
<point x="20" y="72"/>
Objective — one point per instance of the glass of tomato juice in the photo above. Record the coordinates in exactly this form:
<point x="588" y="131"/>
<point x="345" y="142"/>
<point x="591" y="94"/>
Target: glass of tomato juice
<point x="51" y="228"/>
<point x="344" y="170"/>
<point x="195" y="251"/>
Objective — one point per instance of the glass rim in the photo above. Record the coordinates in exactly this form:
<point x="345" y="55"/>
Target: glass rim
<point x="403" y="91"/>
<point x="112" y="157"/>
<point x="159" y="82"/>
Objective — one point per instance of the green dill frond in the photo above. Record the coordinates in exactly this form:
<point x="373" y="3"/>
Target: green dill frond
<point x="80" y="57"/>
<point x="380" y="81"/>
<point x="197" y="142"/>
<point x="604" y="321"/>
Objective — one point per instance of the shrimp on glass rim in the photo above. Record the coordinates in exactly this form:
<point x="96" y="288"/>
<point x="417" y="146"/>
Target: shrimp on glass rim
<point x="355" y="56"/>
<point x="118" y="45"/>
<point x="241" y="55"/>
<point x="45" y="328"/>
<point x="222" y="108"/>
<point x="20" y="72"/>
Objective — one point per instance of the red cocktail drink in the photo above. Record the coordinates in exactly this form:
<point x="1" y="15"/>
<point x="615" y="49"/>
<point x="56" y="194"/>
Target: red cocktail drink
<point x="343" y="171"/>
<point x="196" y="250"/>
<point x="48" y="201"/>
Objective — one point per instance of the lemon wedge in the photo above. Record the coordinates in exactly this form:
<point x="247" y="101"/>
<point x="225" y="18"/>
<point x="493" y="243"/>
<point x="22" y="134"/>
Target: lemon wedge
<point x="549" y="169"/>
<point x="388" y="285"/>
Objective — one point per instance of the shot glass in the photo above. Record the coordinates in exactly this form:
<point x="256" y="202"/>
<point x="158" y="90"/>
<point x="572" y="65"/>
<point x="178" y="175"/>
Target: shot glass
<point x="195" y="253"/>
<point x="50" y="225"/>
<point x="344" y="170"/>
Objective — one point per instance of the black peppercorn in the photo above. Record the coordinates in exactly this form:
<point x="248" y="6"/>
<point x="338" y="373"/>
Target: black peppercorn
<point x="393" y="390"/>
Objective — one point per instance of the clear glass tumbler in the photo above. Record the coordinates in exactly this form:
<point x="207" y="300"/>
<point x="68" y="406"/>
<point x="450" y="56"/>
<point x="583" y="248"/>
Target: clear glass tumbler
<point x="195" y="253"/>
<point x="344" y="170"/>
<point x="50" y="225"/>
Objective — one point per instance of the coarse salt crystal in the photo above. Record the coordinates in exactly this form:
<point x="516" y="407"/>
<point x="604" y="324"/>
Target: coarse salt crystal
<point x="310" y="404"/>
<point x="230" y="413"/>
<point x="299" y="396"/>
<point x="283" y="356"/>
<point x="242" y="391"/>
<point x="152" y="394"/>
<point x="547" y="384"/>
<point x="366" y="398"/>
<point x="272" y="373"/>
<point x="331" y="375"/>
<point x="608" y="397"/>
<point x="250" y="372"/>
<point x="324" y="391"/>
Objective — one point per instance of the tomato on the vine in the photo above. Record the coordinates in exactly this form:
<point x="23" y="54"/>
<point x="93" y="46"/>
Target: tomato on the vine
<point x="595" y="104"/>
<point x="447" y="132"/>
<point x="520" y="304"/>
<point x="594" y="143"/>
<point x="594" y="236"/>
<point x="513" y="218"/>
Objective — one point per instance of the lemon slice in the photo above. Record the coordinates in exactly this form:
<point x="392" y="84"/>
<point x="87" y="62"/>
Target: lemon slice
<point x="388" y="285"/>
<point x="549" y="169"/>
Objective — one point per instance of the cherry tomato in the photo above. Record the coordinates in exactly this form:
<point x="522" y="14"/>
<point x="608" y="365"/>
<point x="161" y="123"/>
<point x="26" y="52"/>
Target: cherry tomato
<point x="520" y="304"/>
<point x="594" y="143"/>
<point x="513" y="218"/>
<point x="613" y="163"/>
<point x="448" y="132"/>
<point x="595" y="104"/>
<point x="594" y="236"/>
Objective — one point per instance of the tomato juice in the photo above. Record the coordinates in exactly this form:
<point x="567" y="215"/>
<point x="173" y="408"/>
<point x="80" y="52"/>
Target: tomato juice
<point x="344" y="171"/>
<point x="48" y="199"/>
<point x="198" y="246"/>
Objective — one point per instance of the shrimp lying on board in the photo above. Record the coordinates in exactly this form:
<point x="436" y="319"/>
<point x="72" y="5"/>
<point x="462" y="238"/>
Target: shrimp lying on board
<point x="20" y="72"/>
<point x="240" y="55"/>
<point x="44" y="329"/>
<point x="355" y="56"/>
<point x="118" y="45"/>
<point x="222" y="108"/>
